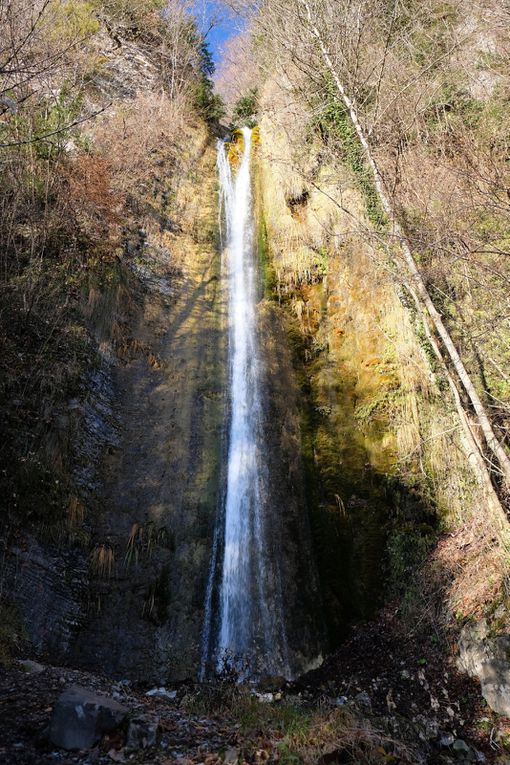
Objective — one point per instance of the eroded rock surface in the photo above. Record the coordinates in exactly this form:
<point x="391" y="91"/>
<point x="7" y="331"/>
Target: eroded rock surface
<point x="488" y="659"/>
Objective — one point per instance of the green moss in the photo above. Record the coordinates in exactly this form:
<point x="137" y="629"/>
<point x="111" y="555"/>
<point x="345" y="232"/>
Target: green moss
<point x="346" y="498"/>
<point x="335" y="124"/>
<point x="268" y="272"/>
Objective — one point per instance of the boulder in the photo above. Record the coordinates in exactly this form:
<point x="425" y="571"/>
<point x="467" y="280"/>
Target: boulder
<point x="162" y="693"/>
<point x="488" y="659"/>
<point x="473" y="649"/>
<point x="31" y="667"/>
<point x="80" y="718"/>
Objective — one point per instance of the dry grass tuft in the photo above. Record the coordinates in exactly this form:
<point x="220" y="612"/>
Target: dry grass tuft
<point x="341" y="736"/>
<point x="103" y="561"/>
<point x="143" y="541"/>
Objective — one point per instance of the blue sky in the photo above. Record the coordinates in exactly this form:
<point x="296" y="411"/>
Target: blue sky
<point x="217" y="37"/>
<point x="207" y="11"/>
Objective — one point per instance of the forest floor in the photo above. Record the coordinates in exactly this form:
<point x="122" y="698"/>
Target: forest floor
<point x="379" y="699"/>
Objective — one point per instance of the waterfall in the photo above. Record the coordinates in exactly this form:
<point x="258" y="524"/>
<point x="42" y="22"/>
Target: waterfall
<point x="249" y="627"/>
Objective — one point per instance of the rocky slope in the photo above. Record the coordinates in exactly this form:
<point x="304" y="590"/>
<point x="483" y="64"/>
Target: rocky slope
<point x="222" y="722"/>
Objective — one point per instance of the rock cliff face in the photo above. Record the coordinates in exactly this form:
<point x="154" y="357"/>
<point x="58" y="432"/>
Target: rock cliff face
<point x="158" y="485"/>
<point x="146" y="450"/>
<point x="385" y="462"/>
<point x="363" y="446"/>
<point x="118" y="583"/>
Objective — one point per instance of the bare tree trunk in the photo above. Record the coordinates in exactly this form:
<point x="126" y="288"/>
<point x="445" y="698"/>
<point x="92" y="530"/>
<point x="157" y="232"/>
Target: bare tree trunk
<point x="490" y="437"/>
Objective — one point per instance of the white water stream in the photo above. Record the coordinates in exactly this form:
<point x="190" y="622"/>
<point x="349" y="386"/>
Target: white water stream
<point x="249" y="621"/>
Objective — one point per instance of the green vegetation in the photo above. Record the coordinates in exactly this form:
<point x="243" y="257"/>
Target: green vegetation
<point x="134" y="17"/>
<point x="208" y="103"/>
<point x="335" y="125"/>
<point x="245" y="110"/>
<point x="74" y="20"/>
<point x="297" y="732"/>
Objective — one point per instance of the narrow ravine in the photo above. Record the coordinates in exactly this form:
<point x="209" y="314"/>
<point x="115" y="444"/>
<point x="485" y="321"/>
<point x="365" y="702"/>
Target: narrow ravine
<point x="250" y="626"/>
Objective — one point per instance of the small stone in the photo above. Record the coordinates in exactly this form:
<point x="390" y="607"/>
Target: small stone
<point x="231" y="756"/>
<point x="460" y="748"/>
<point x="116" y="756"/>
<point x="265" y="698"/>
<point x="390" y="703"/>
<point x="162" y="693"/>
<point x="446" y="740"/>
<point x="430" y="728"/>
<point x="363" y="699"/>
<point x="142" y="733"/>
<point x="434" y="703"/>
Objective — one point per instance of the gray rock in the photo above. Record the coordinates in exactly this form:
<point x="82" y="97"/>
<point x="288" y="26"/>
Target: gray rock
<point x="446" y="740"/>
<point x="81" y="717"/>
<point x="231" y="756"/>
<point x="429" y="728"/>
<point x="363" y="700"/>
<point x="31" y="667"/>
<point x="265" y="698"/>
<point x="162" y="693"/>
<point x="143" y="733"/>
<point x="473" y="650"/>
<point x="487" y="659"/>
<point x="461" y="749"/>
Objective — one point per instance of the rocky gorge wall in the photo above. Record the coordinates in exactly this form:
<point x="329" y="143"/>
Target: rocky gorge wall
<point x="366" y="454"/>
<point x="127" y="597"/>
<point x="123" y="591"/>
<point x="159" y="484"/>
<point x="120" y="528"/>
<point x="397" y="508"/>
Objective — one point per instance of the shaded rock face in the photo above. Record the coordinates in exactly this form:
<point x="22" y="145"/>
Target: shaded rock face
<point x="49" y="579"/>
<point x="488" y="659"/>
<point x="80" y="718"/>
<point x="290" y="534"/>
<point x="158" y="484"/>
<point x="48" y="585"/>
